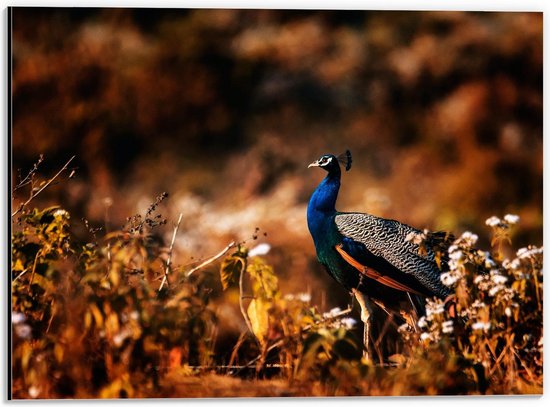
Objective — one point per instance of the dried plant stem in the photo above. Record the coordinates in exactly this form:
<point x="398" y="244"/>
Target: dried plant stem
<point x="212" y="259"/>
<point x="169" y="260"/>
<point x="33" y="195"/>
<point x="241" y="306"/>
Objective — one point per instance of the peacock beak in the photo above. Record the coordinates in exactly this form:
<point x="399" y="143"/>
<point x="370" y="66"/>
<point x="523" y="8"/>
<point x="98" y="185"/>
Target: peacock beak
<point x="313" y="164"/>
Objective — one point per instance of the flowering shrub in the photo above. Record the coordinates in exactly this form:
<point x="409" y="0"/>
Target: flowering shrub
<point x="92" y="319"/>
<point x="494" y="320"/>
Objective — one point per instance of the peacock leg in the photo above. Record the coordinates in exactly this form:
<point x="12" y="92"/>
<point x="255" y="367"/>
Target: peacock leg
<point x="366" y="311"/>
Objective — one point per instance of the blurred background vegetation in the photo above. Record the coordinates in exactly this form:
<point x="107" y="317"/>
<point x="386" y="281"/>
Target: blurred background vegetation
<point x="224" y="110"/>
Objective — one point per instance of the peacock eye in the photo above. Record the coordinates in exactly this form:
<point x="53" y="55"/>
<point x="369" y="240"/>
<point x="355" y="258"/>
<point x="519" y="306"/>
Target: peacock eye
<point x="324" y="160"/>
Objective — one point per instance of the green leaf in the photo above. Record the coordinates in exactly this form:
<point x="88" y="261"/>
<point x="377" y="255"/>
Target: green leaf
<point x="231" y="269"/>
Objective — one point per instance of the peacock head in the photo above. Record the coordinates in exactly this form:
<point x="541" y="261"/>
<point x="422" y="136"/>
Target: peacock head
<point x="331" y="163"/>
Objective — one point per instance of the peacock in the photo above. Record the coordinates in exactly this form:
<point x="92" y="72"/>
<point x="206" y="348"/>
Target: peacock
<point x="381" y="262"/>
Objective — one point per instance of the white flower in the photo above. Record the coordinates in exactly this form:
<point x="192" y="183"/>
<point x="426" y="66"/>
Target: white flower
<point x="499" y="279"/>
<point x="493" y="221"/>
<point x="527" y="252"/>
<point x="34" y="392"/>
<point x="60" y="213"/>
<point x="511" y="219"/>
<point x="18" y="317"/>
<point x="332" y="313"/>
<point x="469" y="237"/>
<point x="478" y="304"/>
<point x="302" y="297"/>
<point x="448" y="279"/>
<point x="289" y="297"/>
<point x="422" y="322"/>
<point x="479" y="279"/>
<point x="434" y="310"/>
<point x="494" y="290"/>
<point x="348" y="323"/>
<point x="23" y="331"/>
<point x="260" y="250"/>
<point x="481" y="325"/>
<point x="447" y="327"/>
<point x="508" y="312"/>
<point x="456" y="255"/>
<point x="119" y="338"/>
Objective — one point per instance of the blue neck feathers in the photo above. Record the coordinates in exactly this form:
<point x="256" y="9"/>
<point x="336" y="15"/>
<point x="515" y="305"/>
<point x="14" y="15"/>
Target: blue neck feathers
<point x="322" y="204"/>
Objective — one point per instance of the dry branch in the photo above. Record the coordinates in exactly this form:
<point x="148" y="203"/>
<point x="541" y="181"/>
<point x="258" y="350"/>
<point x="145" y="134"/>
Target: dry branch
<point x="33" y="195"/>
<point x="212" y="259"/>
<point x="169" y="260"/>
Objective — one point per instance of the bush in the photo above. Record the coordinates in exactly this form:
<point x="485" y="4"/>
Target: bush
<point x="96" y="319"/>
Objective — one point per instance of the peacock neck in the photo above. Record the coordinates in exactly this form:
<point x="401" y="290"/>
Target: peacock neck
<point x="323" y="200"/>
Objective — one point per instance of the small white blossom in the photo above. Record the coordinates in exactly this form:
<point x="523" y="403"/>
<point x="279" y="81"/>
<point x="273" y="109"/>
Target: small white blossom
<point x="447" y="327"/>
<point x="302" y="297"/>
<point x="456" y="255"/>
<point x="469" y="237"/>
<point x="528" y="252"/>
<point x="479" y="279"/>
<point x="493" y="221"/>
<point x="34" y="392"/>
<point x="18" y="317"/>
<point x="422" y="322"/>
<point x="494" y="290"/>
<point x="522" y="252"/>
<point x="478" y="304"/>
<point x="23" y="331"/>
<point x="434" y="310"/>
<point x="289" y="297"/>
<point x="499" y="279"/>
<point x="481" y="325"/>
<point x="60" y="213"/>
<point x="348" y="323"/>
<point x="332" y="313"/>
<point x="511" y="219"/>
<point x="119" y="338"/>
<point x="260" y="250"/>
<point x="448" y="279"/>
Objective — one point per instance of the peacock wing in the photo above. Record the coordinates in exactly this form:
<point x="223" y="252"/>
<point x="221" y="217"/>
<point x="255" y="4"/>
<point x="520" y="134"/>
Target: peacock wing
<point x="389" y="239"/>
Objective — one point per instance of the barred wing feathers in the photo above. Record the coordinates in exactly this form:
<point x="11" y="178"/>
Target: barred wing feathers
<point x="387" y="239"/>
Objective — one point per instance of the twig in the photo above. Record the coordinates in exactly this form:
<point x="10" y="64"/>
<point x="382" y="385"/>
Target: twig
<point x="212" y="259"/>
<point x="169" y="260"/>
<point x="28" y="179"/>
<point x="33" y="195"/>
<point x="20" y="274"/>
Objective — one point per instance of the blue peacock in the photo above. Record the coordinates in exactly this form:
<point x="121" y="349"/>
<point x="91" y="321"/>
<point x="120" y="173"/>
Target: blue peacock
<point x="380" y="261"/>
